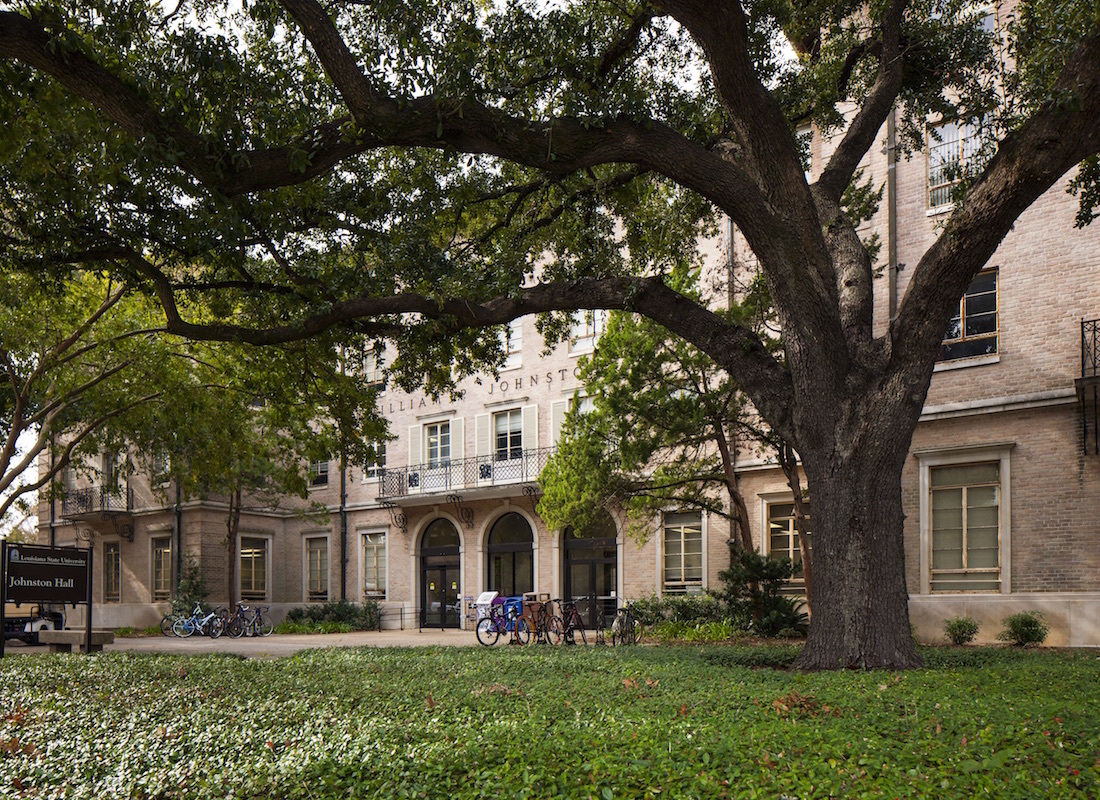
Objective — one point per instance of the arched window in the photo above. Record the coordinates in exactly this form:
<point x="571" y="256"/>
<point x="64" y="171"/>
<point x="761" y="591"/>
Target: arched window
<point x="511" y="556"/>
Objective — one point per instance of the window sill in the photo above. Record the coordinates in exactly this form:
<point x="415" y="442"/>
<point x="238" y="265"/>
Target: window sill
<point x="937" y="211"/>
<point x="963" y="363"/>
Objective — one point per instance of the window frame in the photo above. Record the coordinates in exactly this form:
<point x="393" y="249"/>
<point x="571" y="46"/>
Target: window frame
<point x="962" y="317"/>
<point x="440" y="460"/>
<point x="375" y="541"/>
<point x="681" y="525"/>
<point x="960" y="456"/>
<point x="782" y="499"/>
<point x="378" y="466"/>
<point x="514" y="431"/>
<point x="160" y="568"/>
<point x="968" y="143"/>
<point x="112" y="565"/>
<point x="317" y="595"/>
<point x="252" y="593"/>
<point x="511" y="341"/>
<point x="318" y="474"/>
<point x="586" y="328"/>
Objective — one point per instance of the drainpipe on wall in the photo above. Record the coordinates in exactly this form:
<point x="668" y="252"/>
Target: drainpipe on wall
<point x="343" y="527"/>
<point x="892" y="211"/>
<point x="177" y="545"/>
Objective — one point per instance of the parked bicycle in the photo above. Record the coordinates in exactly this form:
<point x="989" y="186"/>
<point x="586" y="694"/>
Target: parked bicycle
<point x="572" y="624"/>
<point x="625" y="629"/>
<point x="250" y="621"/>
<point x="546" y="626"/>
<point x="499" y="623"/>
<point x="207" y="624"/>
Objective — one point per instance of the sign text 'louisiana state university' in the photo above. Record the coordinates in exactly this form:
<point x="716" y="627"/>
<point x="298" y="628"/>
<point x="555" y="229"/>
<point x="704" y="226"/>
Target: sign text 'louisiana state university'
<point x="45" y="574"/>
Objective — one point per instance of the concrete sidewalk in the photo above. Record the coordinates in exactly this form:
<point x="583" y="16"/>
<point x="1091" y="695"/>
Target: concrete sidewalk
<point x="278" y="645"/>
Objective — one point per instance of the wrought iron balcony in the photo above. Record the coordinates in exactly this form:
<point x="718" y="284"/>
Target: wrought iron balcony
<point x="1088" y="385"/>
<point x="105" y="500"/>
<point x="480" y="472"/>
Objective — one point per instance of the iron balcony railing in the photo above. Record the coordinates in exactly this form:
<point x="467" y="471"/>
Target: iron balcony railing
<point x="516" y="466"/>
<point x="97" y="500"/>
<point x="1090" y="348"/>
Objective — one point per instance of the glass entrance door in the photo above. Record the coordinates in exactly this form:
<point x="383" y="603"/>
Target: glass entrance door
<point x="591" y="574"/>
<point x="440" y="576"/>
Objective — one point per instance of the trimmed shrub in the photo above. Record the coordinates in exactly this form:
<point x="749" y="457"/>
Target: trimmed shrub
<point x="1024" y="629"/>
<point x="335" y="616"/>
<point x="960" y="630"/>
<point x="686" y="608"/>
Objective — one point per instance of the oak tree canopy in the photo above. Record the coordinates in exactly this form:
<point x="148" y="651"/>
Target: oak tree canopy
<point x="398" y="170"/>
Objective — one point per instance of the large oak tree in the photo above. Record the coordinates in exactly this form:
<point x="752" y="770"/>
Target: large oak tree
<point x="401" y="168"/>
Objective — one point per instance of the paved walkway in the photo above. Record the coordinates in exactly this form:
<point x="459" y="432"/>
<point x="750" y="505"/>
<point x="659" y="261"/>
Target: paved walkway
<point x="278" y="645"/>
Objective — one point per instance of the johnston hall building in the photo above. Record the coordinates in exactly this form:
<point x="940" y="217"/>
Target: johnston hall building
<point x="1001" y="489"/>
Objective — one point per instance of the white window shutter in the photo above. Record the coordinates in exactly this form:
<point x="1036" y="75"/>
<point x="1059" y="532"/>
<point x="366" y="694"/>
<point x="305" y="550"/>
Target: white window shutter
<point x="530" y="427"/>
<point x="558" y="410"/>
<point x="415" y="453"/>
<point x="458" y="439"/>
<point x="483" y="436"/>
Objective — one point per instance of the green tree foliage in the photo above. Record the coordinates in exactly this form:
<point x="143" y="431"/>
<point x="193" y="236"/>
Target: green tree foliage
<point x="423" y="172"/>
<point x="82" y="358"/>
<point x="662" y="429"/>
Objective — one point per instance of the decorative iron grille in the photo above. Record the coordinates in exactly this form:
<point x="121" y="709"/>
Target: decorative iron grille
<point x="97" y="500"/>
<point x="465" y="473"/>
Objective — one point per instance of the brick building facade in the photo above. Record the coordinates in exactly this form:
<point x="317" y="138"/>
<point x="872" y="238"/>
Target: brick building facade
<point x="1001" y="490"/>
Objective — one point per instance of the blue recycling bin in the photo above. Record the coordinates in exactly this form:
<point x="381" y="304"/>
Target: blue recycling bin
<point x="509" y="604"/>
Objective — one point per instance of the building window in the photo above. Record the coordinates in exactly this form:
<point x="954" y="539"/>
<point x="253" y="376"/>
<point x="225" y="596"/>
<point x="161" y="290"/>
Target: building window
<point x="112" y="572"/>
<point x="162" y="568"/>
<point x="374" y="565"/>
<point x="966" y="531"/>
<point x="318" y="473"/>
<point x="378" y="466"/>
<point x="511" y="341"/>
<point x="955" y="151"/>
<point x="586" y="330"/>
<point x="160" y="469"/>
<point x="438" y="441"/>
<point x="973" y="330"/>
<point x="783" y="539"/>
<point x="317" y="569"/>
<point x="683" y="547"/>
<point x="374" y="363"/>
<point x="508" y="428"/>
<point x="804" y="136"/>
<point x="253" y="569"/>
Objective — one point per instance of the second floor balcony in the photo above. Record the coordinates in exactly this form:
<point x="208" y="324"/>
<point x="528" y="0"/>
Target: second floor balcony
<point x="480" y="472"/>
<point x="97" y="500"/>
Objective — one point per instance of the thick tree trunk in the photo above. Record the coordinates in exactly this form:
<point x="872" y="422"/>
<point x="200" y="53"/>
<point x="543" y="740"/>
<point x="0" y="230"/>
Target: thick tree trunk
<point x="860" y="601"/>
<point x="232" y="525"/>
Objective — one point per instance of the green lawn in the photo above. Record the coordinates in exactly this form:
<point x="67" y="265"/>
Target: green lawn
<point x="536" y="722"/>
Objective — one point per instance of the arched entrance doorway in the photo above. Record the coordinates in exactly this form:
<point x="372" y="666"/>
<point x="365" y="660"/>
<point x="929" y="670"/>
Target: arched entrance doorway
<point x="591" y="568"/>
<point x="511" y="556"/>
<point x="440" y="577"/>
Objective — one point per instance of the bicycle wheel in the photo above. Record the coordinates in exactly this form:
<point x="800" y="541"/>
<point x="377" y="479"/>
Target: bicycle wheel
<point x="555" y="630"/>
<point x="522" y="633"/>
<point x="630" y="630"/>
<point x="215" y="627"/>
<point x="264" y="626"/>
<point x="166" y="623"/>
<point x="487" y="633"/>
<point x="183" y="627"/>
<point x="236" y="627"/>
